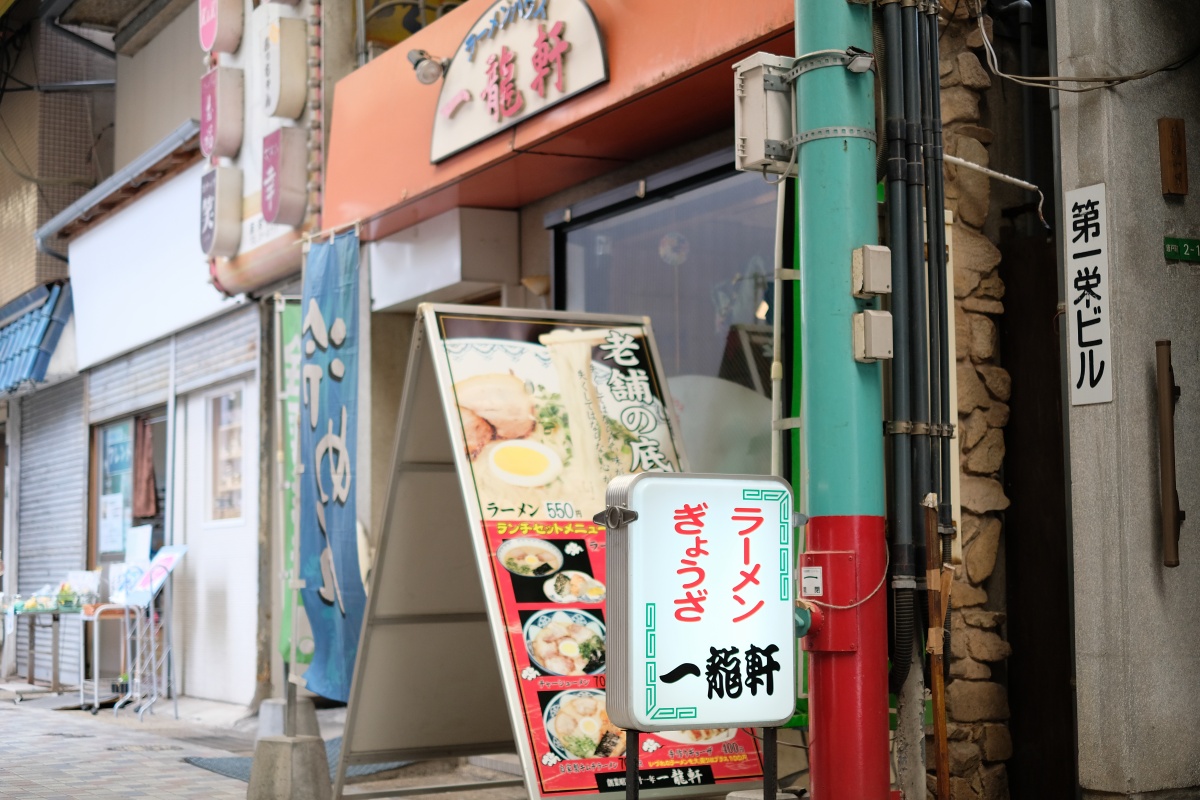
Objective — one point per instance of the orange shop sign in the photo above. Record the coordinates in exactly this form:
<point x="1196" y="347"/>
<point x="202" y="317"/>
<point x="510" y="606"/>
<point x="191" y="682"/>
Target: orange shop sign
<point x="519" y="59"/>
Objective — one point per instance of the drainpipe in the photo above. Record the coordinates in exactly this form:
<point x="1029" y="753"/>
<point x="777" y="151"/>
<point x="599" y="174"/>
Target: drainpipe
<point x="906" y="682"/>
<point x="947" y="414"/>
<point x="903" y="555"/>
<point x="1025" y="21"/>
<point x="1064" y="379"/>
<point x="841" y="401"/>
<point x="918" y="301"/>
<point x="360" y="31"/>
<point x="933" y="223"/>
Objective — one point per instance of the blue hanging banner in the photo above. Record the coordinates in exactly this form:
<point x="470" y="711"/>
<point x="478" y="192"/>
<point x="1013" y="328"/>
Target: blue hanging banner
<point x="333" y="593"/>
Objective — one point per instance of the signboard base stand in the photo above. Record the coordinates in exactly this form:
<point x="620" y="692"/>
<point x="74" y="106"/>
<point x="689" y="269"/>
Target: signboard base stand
<point x="632" y="785"/>
<point x="408" y="700"/>
<point x="770" y="762"/>
<point x="292" y="767"/>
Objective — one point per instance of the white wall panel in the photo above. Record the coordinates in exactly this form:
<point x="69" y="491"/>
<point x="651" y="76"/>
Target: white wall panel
<point x="141" y="275"/>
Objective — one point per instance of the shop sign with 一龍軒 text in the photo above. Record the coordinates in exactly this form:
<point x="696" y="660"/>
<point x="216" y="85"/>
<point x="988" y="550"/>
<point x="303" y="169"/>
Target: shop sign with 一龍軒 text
<point x="519" y="58"/>
<point x="701" y="627"/>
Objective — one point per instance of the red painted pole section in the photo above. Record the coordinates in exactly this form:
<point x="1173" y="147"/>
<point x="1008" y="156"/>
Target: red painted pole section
<point x="848" y="741"/>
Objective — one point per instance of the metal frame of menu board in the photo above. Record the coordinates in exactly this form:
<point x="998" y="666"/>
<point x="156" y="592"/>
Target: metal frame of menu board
<point x="425" y="685"/>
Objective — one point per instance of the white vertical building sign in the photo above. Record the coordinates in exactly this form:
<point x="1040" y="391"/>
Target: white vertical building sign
<point x="701" y="599"/>
<point x="1089" y="297"/>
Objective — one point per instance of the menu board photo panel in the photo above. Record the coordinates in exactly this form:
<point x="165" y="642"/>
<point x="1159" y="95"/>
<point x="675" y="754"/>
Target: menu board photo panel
<point x="542" y="410"/>
<point x="550" y="411"/>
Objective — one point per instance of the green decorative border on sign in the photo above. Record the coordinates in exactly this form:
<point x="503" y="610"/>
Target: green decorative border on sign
<point x="785" y="535"/>
<point x="652" y="711"/>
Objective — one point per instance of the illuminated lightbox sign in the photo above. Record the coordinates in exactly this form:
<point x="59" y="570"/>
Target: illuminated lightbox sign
<point x="222" y="112"/>
<point x="285" y="176"/>
<point x="700" y="603"/>
<point x="221" y="211"/>
<point x="221" y="24"/>
<point x="284" y="66"/>
<point x="519" y="59"/>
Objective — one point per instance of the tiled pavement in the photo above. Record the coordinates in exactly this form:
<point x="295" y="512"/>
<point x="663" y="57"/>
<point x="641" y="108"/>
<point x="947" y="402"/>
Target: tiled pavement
<point x="65" y="755"/>
<point x="72" y="755"/>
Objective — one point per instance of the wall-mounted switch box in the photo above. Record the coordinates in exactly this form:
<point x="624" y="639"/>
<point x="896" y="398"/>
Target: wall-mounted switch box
<point x="871" y="271"/>
<point x="762" y="114"/>
<point x="872" y="336"/>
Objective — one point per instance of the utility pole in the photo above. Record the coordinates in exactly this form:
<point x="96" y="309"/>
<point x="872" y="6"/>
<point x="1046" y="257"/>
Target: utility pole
<point x="841" y="403"/>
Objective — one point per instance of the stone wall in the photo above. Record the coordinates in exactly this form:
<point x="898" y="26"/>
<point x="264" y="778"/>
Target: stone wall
<point x="977" y="705"/>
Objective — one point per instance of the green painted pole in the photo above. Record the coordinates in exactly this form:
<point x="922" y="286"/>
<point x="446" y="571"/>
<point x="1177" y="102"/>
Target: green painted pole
<point x="841" y="404"/>
<point x="837" y="213"/>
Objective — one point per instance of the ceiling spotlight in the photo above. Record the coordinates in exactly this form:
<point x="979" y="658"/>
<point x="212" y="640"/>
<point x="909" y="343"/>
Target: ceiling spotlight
<point x="429" y="69"/>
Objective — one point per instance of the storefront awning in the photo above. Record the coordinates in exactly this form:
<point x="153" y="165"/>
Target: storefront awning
<point x="30" y="329"/>
<point x="670" y="82"/>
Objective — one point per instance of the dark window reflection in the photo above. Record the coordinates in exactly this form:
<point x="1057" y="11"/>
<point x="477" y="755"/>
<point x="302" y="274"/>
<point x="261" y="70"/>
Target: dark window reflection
<point x="699" y="265"/>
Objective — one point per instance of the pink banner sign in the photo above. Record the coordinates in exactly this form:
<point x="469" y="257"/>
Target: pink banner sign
<point x="272" y="162"/>
<point x="221" y="25"/>
<point x="208" y="112"/>
<point x="208" y="24"/>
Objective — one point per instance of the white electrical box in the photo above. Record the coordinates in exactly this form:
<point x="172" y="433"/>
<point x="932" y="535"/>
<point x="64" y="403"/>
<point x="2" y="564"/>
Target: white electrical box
<point x="872" y="336"/>
<point x="871" y="271"/>
<point x="763" y="116"/>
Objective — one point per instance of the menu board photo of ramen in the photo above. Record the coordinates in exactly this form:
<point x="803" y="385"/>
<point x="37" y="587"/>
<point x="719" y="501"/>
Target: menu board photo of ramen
<point x="550" y="412"/>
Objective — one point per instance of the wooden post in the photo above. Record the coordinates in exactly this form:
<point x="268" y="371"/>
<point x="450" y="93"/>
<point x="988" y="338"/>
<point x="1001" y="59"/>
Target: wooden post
<point x="934" y="643"/>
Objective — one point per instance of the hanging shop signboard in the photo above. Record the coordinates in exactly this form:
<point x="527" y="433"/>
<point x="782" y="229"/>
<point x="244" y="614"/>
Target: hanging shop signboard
<point x="700" y="626"/>
<point x="273" y="72"/>
<point x="526" y="416"/>
<point x="521" y="58"/>
<point x="221" y="25"/>
<point x="1089" y="336"/>
<point x="285" y="176"/>
<point x="222" y="110"/>
<point x="284" y="70"/>
<point x="221" y="211"/>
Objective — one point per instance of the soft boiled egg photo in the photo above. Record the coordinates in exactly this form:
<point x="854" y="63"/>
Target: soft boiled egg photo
<point x="523" y="463"/>
<point x="590" y="727"/>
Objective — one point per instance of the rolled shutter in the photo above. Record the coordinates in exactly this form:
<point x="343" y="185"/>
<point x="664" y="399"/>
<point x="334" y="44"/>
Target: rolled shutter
<point x="52" y="513"/>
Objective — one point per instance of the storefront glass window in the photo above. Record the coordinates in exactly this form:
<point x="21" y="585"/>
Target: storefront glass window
<point x="698" y="263"/>
<point x="116" y="485"/>
<point x="226" y="422"/>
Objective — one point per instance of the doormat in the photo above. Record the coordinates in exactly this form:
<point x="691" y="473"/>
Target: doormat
<point x="238" y="767"/>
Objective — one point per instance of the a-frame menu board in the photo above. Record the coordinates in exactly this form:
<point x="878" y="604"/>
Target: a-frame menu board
<point x="484" y="629"/>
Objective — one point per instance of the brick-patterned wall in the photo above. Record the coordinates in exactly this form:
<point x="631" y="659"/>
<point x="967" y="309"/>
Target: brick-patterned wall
<point x="19" y="199"/>
<point x="54" y="135"/>
<point x="977" y="704"/>
<point x="65" y="128"/>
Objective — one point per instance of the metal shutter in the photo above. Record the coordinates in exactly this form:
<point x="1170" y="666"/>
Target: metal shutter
<point x="133" y="383"/>
<point x="52" y="512"/>
<point x="218" y="350"/>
